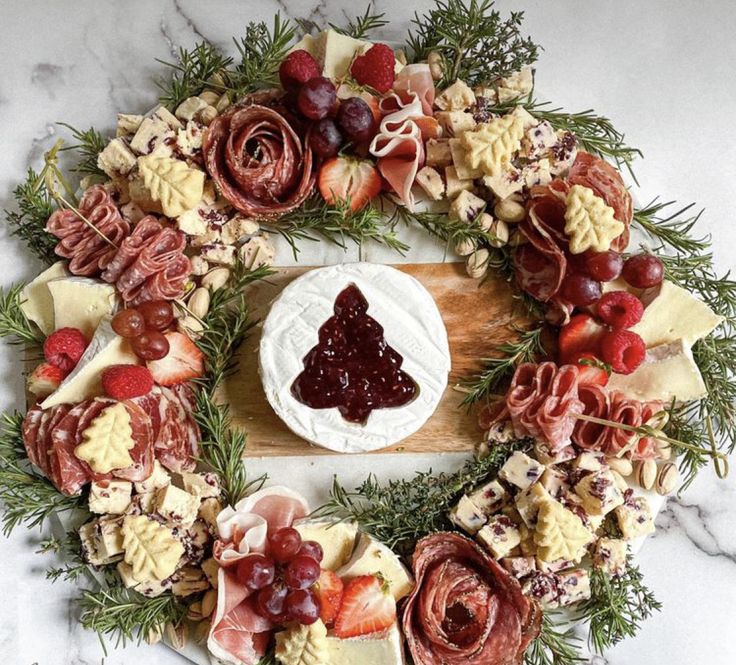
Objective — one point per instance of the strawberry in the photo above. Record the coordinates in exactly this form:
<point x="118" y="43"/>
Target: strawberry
<point x="183" y="362"/>
<point x="126" y="381"/>
<point x="582" y="334"/>
<point x="620" y="309"/>
<point x="349" y="179"/>
<point x="367" y="607"/>
<point x="375" y="68"/>
<point x="329" y="589"/>
<point x="64" y="347"/>
<point x="45" y="379"/>
<point x="298" y="67"/>
<point x="623" y="350"/>
<point x="592" y="370"/>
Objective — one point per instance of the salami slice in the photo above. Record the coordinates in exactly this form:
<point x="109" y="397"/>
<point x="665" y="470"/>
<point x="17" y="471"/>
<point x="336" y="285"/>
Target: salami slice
<point x="69" y="473"/>
<point x="30" y="429"/>
<point x="174" y="447"/>
<point x="142" y="452"/>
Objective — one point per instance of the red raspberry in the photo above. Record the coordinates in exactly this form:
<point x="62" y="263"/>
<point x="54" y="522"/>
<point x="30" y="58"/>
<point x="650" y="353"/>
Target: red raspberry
<point x="126" y="381"/>
<point x="375" y="68"/>
<point x="623" y="350"/>
<point x="298" y="67"/>
<point x="64" y="347"/>
<point x="620" y="309"/>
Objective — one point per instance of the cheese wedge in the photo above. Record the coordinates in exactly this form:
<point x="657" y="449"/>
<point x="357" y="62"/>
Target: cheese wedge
<point x="673" y="314"/>
<point x="334" y="51"/>
<point x="336" y="538"/>
<point x="85" y="381"/>
<point x="80" y="302"/>
<point x="38" y="305"/>
<point x="378" y="649"/>
<point x="668" y="372"/>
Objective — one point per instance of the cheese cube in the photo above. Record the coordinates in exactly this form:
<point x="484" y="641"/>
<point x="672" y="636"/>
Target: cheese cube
<point x="159" y="478"/>
<point x="439" y="154"/>
<point x="519" y="566"/>
<point x="589" y="461"/>
<point x="456" y="97"/>
<point x="574" y="586"/>
<point x="116" y="158"/>
<point x="153" y="134"/>
<point x="431" y="182"/>
<point x="196" y="539"/>
<point x="635" y="518"/>
<point x="489" y="498"/>
<point x="336" y="538"/>
<point x="177" y="506"/>
<point x="529" y="501"/>
<point x="150" y="588"/>
<point x="384" y="648"/>
<point x="555" y="566"/>
<point x="554" y="481"/>
<point x="466" y="207"/>
<point x="142" y="504"/>
<point x="454" y="123"/>
<point x="127" y="124"/>
<point x="538" y="140"/>
<point x="189" y="140"/>
<point x="599" y="493"/>
<point x="506" y="183"/>
<point x="610" y="556"/>
<point x="110" y="537"/>
<point x="374" y="558"/>
<point x="164" y="115"/>
<point x="521" y="470"/>
<point x="36" y="301"/>
<point x="461" y="163"/>
<point x="467" y="516"/>
<point x="543" y="587"/>
<point x="499" y="536"/>
<point x="454" y="185"/>
<point x="209" y="510"/>
<point x="203" y="485"/>
<point x="545" y="455"/>
<point x="80" y="302"/>
<point x="110" y="496"/>
<point x="189" y="580"/>
<point x="536" y="173"/>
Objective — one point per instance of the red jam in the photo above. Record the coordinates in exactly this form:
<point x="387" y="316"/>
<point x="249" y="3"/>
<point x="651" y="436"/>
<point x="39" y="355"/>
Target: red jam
<point x="352" y="367"/>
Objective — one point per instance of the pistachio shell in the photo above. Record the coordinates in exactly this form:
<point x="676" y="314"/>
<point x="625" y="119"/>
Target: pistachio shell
<point x="510" y="211"/>
<point x="216" y="279"/>
<point x="646" y="473"/>
<point x="199" y="302"/>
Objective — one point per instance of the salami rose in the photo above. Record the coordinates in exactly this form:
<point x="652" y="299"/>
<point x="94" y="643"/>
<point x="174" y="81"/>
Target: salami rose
<point x="258" y="161"/>
<point x="466" y="609"/>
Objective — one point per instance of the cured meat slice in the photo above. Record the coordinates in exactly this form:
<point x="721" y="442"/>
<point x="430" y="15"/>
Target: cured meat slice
<point x="177" y="443"/>
<point x="142" y="452"/>
<point x="416" y="80"/>
<point x="29" y="430"/>
<point x="187" y="398"/>
<point x="465" y="608"/>
<point x="595" y="403"/>
<point x="258" y="161"/>
<point x="69" y="473"/>
<point x="131" y="247"/>
<point x="44" y="442"/>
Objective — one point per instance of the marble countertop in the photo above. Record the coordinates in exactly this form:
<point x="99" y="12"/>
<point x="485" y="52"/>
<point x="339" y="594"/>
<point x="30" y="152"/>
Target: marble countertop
<point x="661" y="70"/>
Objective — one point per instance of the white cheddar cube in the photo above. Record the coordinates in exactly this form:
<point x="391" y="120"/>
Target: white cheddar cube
<point x="116" y="158"/>
<point x="589" y="461"/>
<point x="80" y="302"/>
<point x="159" y="478"/>
<point x="555" y="566"/>
<point x="466" y="207"/>
<point x="521" y="470"/>
<point x="599" y="492"/>
<point x="36" y="301"/>
<point x="110" y="537"/>
<point x="431" y="182"/>
<point x="127" y="124"/>
<point x="529" y="501"/>
<point x="456" y="97"/>
<point x="545" y="455"/>
<point x="454" y="184"/>
<point x="336" y="53"/>
<point x="209" y="509"/>
<point x="164" y="115"/>
<point x="610" y="556"/>
<point x="635" y="518"/>
<point x="153" y="134"/>
<point x="554" y="481"/>
<point x="460" y="161"/>
<point x="337" y="539"/>
<point x="574" y="586"/>
<point x="543" y="587"/>
<point x="489" y="498"/>
<point x="177" y="506"/>
<point x="519" y="566"/>
<point x="506" y="183"/>
<point x="538" y="140"/>
<point x="110" y="497"/>
<point x="500" y="536"/>
<point x="150" y="588"/>
<point x="97" y="548"/>
<point x="455" y="123"/>
<point x="439" y="154"/>
<point x="467" y="516"/>
<point x="203" y="485"/>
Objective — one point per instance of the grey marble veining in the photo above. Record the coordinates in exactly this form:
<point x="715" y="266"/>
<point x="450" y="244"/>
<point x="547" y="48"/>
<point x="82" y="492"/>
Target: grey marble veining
<point x="661" y="70"/>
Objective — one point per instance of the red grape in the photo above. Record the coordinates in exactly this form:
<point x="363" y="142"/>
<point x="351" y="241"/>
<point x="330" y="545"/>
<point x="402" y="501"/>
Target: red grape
<point x="312" y="549"/>
<point x="316" y="98"/>
<point x="303" y="606"/>
<point x="643" y="271"/>
<point x="302" y="572"/>
<point x="356" y="119"/>
<point x="151" y="345"/>
<point x="158" y="314"/>
<point x="271" y="601"/>
<point x="256" y="571"/>
<point x="285" y="544"/>
<point x="604" y="266"/>
<point x="128" y="323"/>
<point x="325" y="138"/>
<point x="581" y="290"/>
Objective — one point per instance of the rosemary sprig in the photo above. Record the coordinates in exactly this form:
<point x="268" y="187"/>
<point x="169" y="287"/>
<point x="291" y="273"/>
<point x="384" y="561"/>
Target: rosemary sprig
<point x="363" y="25"/>
<point x="555" y="645"/>
<point x="527" y="348"/>
<point x="191" y="73"/>
<point x="14" y="324"/>
<point x="89" y="144"/>
<point x="617" y="606"/>
<point x="402" y="511"/>
<point x="70" y="548"/>
<point x="672" y="230"/>
<point x="475" y="43"/>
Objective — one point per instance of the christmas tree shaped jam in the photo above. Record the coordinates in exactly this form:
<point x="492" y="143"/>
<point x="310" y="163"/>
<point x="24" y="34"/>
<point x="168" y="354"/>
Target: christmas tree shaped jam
<point x="352" y="367"/>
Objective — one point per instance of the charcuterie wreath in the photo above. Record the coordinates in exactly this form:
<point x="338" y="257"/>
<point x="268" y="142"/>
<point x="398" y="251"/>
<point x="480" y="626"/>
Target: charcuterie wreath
<point x="606" y="380"/>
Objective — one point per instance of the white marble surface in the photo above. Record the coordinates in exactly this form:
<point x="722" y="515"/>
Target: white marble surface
<point x="661" y="70"/>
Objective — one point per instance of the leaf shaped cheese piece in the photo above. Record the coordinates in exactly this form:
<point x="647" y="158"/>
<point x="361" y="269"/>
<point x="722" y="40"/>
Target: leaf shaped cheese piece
<point x="152" y="550"/>
<point x="107" y="440"/>
<point x="589" y="222"/>
<point x="171" y="182"/>
<point x="560" y="533"/>
<point x="303" y="645"/>
<point x="492" y="145"/>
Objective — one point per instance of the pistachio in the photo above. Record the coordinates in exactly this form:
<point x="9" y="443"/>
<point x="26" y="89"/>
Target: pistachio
<point x="189" y="108"/>
<point x="154" y="635"/>
<point x="500" y="230"/>
<point x="177" y="636"/>
<point x="216" y="279"/>
<point x="664" y="450"/>
<point x="465" y="247"/>
<point x="517" y="238"/>
<point x="191" y="326"/>
<point x="620" y="465"/>
<point x="223" y="103"/>
<point x="510" y="210"/>
<point x="210" y="97"/>
<point x="667" y="479"/>
<point x="207" y="115"/>
<point x="646" y="473"/>
<point x="194" y="611"/>
<point x="436" y="66"/>
<point x="199" y="302"/>
<point x="477" y="263"/>
<point x="209" y="602"/>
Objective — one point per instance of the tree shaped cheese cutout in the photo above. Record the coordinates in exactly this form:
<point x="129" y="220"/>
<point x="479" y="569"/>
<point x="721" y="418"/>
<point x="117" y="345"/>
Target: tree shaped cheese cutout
<point x="353" y="368"/>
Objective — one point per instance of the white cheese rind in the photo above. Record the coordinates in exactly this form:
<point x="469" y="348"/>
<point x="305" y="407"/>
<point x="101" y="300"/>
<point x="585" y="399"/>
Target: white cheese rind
<point x="337" y="539"/>
<point x="381" y="649"/>
<point x="39" y="305"/>
<point x="412" y="325"/>
<point x="80" y="302"/>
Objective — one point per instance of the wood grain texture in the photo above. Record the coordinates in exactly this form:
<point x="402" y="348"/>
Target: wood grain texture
<point x="478" y="316"/>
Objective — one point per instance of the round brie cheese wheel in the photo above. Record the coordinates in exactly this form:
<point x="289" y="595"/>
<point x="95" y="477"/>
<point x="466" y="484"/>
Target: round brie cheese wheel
<point x="412" y="325"/>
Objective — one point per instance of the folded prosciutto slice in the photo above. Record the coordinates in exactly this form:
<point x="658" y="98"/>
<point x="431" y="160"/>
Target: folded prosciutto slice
<point x="466" y="609"/>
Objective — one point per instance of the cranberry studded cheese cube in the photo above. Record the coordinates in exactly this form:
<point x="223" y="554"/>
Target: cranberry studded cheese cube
<point x="521" y="470"/>
<point x="599" y="492"/>
<point x="500" y="536"/>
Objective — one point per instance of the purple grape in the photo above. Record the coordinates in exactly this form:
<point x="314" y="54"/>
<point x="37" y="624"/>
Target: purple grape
<point x="316" y="98"/>
<point x="325" y="138"/>
<point x="356" y="119"/>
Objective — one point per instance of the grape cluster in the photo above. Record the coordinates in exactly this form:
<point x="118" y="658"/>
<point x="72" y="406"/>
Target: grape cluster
<point x="144" y="326"/>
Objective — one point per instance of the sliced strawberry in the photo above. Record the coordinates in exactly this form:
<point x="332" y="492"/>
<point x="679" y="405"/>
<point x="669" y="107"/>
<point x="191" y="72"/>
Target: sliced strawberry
<point x="45" y="379"/>
<point x="367" y="607"/>
<point x="329" y="589"/>
<point x="183" y="362"/>
<point x="349" y="179"/>
<point x="581" y="335"/>
<point x="592" y="370"/>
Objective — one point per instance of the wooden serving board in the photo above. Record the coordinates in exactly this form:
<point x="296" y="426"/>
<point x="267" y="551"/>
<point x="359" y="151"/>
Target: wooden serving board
<point x="478" y="317"/>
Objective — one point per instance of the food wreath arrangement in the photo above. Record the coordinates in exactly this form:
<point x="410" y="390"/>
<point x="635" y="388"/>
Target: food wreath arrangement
<point x="611" y="387"/>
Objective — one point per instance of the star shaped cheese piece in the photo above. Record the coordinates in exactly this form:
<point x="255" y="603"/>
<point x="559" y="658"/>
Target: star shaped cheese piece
<point x="589" y="222"/>
<point x="560" y="533"/>
<point x="493" y="144"/>
<point x="107" y="441"/>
